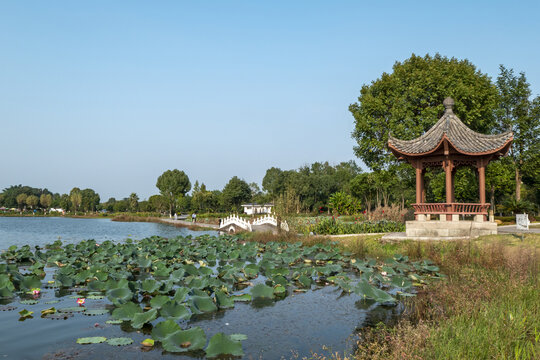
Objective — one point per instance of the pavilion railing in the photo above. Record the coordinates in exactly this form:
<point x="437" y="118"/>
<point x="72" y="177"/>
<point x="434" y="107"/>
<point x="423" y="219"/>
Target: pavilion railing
<point x="451" y="208"/>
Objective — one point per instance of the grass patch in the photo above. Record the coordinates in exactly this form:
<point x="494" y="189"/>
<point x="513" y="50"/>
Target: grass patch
<point x="488" y="307"/>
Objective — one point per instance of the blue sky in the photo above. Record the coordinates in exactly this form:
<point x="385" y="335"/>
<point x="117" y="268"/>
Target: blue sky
<point x="109" y="94"/>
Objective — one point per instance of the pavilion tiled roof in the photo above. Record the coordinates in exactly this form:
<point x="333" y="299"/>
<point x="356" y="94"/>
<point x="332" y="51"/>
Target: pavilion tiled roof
<point x="458" y="134"/>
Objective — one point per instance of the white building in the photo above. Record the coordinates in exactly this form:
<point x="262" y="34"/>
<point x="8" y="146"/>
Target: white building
<point x="254" y="209"/>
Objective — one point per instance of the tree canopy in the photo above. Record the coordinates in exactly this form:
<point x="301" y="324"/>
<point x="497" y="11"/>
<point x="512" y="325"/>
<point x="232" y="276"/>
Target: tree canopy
<point x="173" y="184"/>
<point x="409" y="101"/>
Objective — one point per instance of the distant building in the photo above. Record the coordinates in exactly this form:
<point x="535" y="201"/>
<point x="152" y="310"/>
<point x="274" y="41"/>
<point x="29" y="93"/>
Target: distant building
<point x="254" y="209"/>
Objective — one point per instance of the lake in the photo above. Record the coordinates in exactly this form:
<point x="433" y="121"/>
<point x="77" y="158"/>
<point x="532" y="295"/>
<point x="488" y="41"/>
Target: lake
<point x="293" y="327"/>
<point x="45" y="230"/>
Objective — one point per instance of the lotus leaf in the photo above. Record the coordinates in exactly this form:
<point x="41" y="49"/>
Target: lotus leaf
<point x="261" y="291"/>
<point x="126" y="311"/>
<point x="91" y="340"/>
<point x="5" y="293"/>
<point x="157" y="301"/>
<point x="243" y="297"/>
<point x="165" y="329"/>
<point x="251" y="270"/>
<point x="95" y="312"/>
<point x="95" y="297"/>
<point x="48" y="311"/>
<point x="29" y="302"/>
<point x="72" y="309"/>
<point x="224" y="301"/>
<point x="25" y="313"/>
<point x="178" y="274"/>
<point x="221" y="344"/>
<point x="65" y="280"/>
<point x="305" y="281"/>
<point x="5" y="282"/>
<point x="147" y="342"/>
<point x="401" y="282"/>
<point x="114" y="322"/>
<point x="150" y="285"/>
<point x="202" y="304"/>
<point x="206" y="271"/>
<point x="142" y="318"/>
<point x="185" y="340"/>
<point x="119" y="295"/>
<point x="279" y="290"/>
<point x="119" y="341"/>
<point x="172" y="310"/>
<point x="52" y="302"/>
<point x="30" y="282"/>
<point x="238" y="337"/>
<point x="180" y="294"/>
<point x="368" y="291"/>
<point x="144" y="262"/>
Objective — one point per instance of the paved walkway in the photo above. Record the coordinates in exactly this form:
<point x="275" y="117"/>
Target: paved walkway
<point x="511" y="229"/>
<point x="189" y="223"/>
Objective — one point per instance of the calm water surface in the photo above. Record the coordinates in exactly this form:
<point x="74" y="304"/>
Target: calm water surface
<point x="291" y="328"/>
<point x="45" y="230"/>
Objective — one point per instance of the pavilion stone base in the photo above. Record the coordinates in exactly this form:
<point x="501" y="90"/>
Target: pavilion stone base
<point x="448" y="230"/>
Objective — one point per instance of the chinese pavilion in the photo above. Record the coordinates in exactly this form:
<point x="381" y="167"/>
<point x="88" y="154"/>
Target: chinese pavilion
<point x="450" y="144"/>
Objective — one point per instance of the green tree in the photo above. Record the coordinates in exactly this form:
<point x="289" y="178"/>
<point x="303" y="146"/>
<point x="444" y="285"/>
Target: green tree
<point x="409" y="101"/>
<point x="499" y="181"/>
<point x="64" y="202"/>
<point x="274" y="182"/>
<point x="172" y="184"/>
<point x="519" y="113"/>
<point x="133" y="202"/>
<point x="89" y="200"/>
<point x="363" y="186"/>
<point x="46" y="200"/>
<point x="21" y="200"/>
<point x="32" y="201"/>
<point x="75" y="197"/>
<point x="158" y="203"/>
<point x="235" y="193"/>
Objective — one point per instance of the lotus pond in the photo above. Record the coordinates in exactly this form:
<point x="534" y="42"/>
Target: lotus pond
<point x="195" y="297"/>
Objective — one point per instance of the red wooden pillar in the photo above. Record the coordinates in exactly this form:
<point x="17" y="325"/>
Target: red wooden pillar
<point x="419" y="185"/>
<point x="448" y="167"/>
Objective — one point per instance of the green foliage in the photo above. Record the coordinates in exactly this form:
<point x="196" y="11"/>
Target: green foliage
<point x="409" y="101"/>
<point x="521" y="114"/>
<point x="173" y="184"/>
<point x="333" y="226"/>
<point x="344" y="204"/>
<point x="235" y="192"/>
<point x="221" y="344"/>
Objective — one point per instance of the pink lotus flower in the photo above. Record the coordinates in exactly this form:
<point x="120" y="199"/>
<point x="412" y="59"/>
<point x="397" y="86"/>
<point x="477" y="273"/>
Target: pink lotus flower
<point x="97" y="244"/>
<point x="81" y="301"/>
<point x="36" y="291"/>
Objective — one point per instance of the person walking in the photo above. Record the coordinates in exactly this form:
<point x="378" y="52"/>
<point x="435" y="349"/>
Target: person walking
<point x="193" y="217"/>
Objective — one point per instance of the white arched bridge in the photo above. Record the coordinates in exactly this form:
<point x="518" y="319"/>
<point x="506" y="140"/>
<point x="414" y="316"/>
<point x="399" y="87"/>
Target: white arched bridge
<point x="234" y="223"/>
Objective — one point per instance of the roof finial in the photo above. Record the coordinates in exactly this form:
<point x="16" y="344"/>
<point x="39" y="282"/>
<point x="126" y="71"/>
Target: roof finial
<point x="448" y="105"/>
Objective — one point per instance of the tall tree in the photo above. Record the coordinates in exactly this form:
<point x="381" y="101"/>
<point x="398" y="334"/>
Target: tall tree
<point x="89" y="200"/>
<point x="521" y="114"/>
<point x="133" y="202"/>
<point x="21" y="200"/>
<point x="75" y="197"/>
<point x="409" y="101"/>
<point x="45" y="200"/>
<point x="172" y="184"/>
<point x="235" y="193"/>
<point x="32" y="201"/>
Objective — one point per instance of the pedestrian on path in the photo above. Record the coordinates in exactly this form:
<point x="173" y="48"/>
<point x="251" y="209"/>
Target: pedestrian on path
<point x="193" y="217"/>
